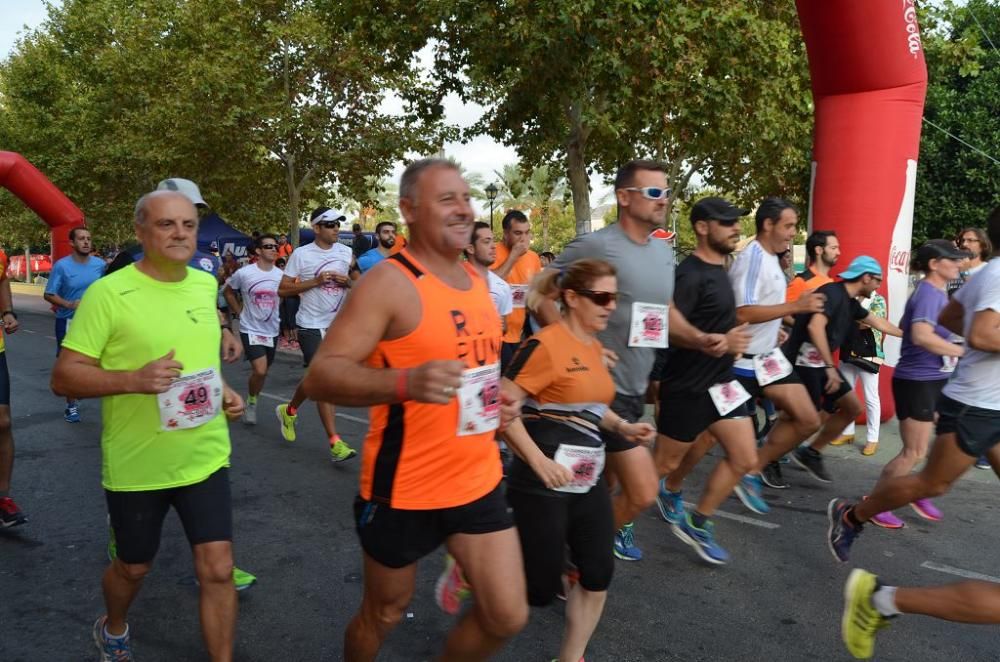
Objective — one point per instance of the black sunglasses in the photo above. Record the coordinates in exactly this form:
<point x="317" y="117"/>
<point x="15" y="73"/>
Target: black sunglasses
<point x="598" y="297"/>
<point x="329" y="224"/>
<point x="269" y="246"/>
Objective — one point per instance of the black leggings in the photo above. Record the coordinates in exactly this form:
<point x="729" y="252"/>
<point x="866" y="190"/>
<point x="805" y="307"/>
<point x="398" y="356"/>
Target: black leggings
<point x="547" y="524"/>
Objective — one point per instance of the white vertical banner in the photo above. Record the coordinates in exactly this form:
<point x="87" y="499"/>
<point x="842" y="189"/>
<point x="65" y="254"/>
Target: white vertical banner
<point x="898" y="263"/>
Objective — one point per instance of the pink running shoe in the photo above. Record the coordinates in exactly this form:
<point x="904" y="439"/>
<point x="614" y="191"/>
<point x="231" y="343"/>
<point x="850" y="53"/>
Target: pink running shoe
<point x="926" y="509"/>
<point x="887" y="520"/>
<point x="451" y="588"/>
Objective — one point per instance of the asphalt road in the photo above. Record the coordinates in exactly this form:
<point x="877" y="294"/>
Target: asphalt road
<point x="779" y="599"/>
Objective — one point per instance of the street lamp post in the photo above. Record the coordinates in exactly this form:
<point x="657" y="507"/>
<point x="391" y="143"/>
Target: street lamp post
<point x="491" y="193"/>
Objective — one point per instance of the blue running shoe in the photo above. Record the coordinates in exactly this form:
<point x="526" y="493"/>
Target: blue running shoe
<point x="749" y="491"/>
<point x="113" y="649"/>
<point x="842" y="533"/>
<point x="625" y="548"/>
<point x="702" y="540"/>
<point x="72" y="412"/>
<point x="671" y="504"/>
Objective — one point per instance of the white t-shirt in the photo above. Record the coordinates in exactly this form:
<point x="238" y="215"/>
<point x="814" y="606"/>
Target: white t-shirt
<point x="259" y="290"/>
<point x="758" y="280"/>
<point x="319" y="306"/>
<point x="975" y="380"/>
<point x="500" y="292"/>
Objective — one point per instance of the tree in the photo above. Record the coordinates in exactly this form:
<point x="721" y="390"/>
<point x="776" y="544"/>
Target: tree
<point x="958" y="184"/>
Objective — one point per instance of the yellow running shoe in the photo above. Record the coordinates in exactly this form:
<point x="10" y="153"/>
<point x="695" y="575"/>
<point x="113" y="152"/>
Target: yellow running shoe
<point x="340" y="451"/>
<point x="870" y="448"/>
<point x="287" y="422"/>
<point x="861" y="620"/>
<point x="842" y="440"/>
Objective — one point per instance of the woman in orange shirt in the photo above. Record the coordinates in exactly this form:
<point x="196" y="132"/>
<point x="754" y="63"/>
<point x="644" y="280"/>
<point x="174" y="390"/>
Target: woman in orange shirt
<point x="555" y="484"/>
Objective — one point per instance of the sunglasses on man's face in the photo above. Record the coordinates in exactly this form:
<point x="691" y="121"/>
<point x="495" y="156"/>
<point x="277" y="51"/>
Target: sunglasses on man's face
<point x="329" y="224"/>
<point x="598" y="297"/>
<point x="270" y="247"/>
<point x="651" y="192"/>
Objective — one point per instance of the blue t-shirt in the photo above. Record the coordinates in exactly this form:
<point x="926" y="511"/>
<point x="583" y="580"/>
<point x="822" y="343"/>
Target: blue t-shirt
<point x="369" y="259"/>
<point x="70" y="279"/>
<point x="915" y="362"/>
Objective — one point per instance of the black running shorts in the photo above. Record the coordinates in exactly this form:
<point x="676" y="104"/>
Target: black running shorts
<point x="916" y="399"/>
<point x="254" y="352"/>
<point x="205" y="510"/>
<point x="397" y="538"/>
<point x="814" y="379"/>
<point x="309" y="340"/>
<point x="684" y="416"/>
<point x="629" y="407"/>
<point x="4" y="381"/>
<point x="977" y="429"/>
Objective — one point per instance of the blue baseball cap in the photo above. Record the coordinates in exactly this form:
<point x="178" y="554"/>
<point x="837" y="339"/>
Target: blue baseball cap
<point x="860" y="266"/>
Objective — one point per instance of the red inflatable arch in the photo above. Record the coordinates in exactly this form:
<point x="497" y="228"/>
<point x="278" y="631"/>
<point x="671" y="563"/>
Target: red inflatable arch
<point x="868" y="81"/>
<point x="42" y="197"/>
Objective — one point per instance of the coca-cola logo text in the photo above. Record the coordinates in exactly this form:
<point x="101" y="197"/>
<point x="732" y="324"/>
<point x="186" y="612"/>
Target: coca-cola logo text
<point x="899" y="260"/>
<point x="912" y="30"/>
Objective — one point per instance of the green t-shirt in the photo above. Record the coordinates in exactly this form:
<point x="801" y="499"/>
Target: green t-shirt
<point x="126" y="320"/>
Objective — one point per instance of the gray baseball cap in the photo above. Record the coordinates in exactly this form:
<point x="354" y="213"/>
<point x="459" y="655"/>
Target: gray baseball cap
<point x="185" y="186"/>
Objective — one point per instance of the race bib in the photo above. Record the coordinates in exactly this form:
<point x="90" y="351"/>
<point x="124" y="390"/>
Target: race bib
<point x="649" y="325"/>
<point x="191" y="400"/>
<point x="263" y="341"/>
<point x="586" y="464"/>
<point x="519" y="293"/>
<point x="770" y="367"/>
<point x="479" y="400"/>
<point x="810" y="357"/>
<point x="727" y="396"/>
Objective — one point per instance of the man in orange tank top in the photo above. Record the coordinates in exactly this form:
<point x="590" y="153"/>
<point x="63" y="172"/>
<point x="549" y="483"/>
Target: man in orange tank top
<point x="426" y="361"/>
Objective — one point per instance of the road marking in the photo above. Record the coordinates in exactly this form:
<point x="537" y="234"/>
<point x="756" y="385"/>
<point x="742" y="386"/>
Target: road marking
<point x="958" y="572"/>
<point x="346" y="417"/>
<point x="742" y="519"/>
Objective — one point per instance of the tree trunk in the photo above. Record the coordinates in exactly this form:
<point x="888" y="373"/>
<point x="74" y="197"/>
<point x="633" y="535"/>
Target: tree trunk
<point x="293" y="201"/>
<point x="545" y="228"/>
<point x="576" y="167"/>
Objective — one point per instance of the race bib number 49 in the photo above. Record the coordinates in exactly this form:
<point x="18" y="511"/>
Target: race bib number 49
<point x="479" y="400"/>
<point x="192" y="400"/>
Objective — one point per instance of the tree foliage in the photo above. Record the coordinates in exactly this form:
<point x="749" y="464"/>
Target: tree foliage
<point x="958" y="186"/>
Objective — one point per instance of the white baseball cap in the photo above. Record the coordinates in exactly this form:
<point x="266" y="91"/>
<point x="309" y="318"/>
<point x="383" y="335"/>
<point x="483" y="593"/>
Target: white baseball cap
<point x="184" y="186"/>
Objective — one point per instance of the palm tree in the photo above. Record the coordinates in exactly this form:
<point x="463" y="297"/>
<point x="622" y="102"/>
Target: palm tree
<point x="545" y="189"/>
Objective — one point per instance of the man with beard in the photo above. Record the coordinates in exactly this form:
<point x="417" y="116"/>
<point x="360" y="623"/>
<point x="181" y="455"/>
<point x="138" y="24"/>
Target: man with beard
<point x="385" y="233"/>
<point x="822" y="251"/>
<point x="70" y="278"/>
<point x="699" y="391"/>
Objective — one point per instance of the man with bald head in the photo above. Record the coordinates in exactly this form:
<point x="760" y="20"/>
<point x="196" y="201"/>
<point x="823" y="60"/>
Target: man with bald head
<point x="145" y="339"/>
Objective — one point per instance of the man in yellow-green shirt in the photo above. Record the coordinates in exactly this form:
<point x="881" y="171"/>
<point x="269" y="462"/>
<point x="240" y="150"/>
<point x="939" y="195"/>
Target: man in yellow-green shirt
<point x="146" y="339"/>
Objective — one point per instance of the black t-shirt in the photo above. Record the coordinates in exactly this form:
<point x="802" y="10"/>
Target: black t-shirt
<point x="841" y="310"/>
<point x="704" y="295"/>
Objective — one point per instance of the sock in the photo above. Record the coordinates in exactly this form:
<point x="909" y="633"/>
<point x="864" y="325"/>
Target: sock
<point x="884" y="601"/>
<point x="698" y="519"/>
<point x="108" y="635"/>
<point x="851" y="518"/>
<point x="334" y="439"/>
<point x="251" y="399"/>
<point x="292" y="410"/>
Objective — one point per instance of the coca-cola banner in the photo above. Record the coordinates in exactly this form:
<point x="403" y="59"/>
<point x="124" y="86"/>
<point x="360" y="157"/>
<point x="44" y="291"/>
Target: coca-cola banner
<point x="868" y="81"/>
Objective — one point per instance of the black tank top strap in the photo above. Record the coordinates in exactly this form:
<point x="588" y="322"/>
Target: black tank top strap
<point x="406" y="263"/>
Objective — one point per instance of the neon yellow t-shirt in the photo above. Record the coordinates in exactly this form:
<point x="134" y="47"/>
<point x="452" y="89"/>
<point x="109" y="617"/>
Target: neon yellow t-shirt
<point x="126" y="320"/>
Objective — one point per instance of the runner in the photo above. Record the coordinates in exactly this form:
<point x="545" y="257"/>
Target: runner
<point x="636" y="328"/>
<point x="555" y="483"/>
<point x="698" y="392"/>
<point x="145" y="340"/>
<point x="968" y="422"/>
<point x="822" y="253"/>
<point x="427" y="362"/>
<point x="758" y="286"/>
<point x="517" y="264"/>
<point x="385" y="234"/>
<point x="869" y="605"/>
<point x="257" y="285"/>
<point x="318" y="274"/>
<point x="928" y="355"/>
<point x="69" y="279"/>
<point x="10" y="514"/>
<point x="810" y="347"/>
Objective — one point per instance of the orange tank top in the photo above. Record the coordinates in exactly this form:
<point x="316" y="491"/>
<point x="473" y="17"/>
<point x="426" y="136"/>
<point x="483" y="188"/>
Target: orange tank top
<point x="423" y="456"/>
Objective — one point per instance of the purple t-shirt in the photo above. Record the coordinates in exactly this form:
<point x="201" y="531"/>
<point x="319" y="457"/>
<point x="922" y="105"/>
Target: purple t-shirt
<point x="915" y="362"/>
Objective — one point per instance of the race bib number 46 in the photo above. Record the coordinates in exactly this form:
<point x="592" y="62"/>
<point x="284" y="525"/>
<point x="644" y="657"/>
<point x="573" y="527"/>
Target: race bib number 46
<point x="648" y="327"/>
<point x="479" y="400"/>
<point x="192" y="400"/>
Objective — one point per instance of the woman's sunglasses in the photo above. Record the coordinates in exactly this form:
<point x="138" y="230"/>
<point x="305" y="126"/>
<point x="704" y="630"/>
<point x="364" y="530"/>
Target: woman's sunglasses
<point x="600" y="298"/>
